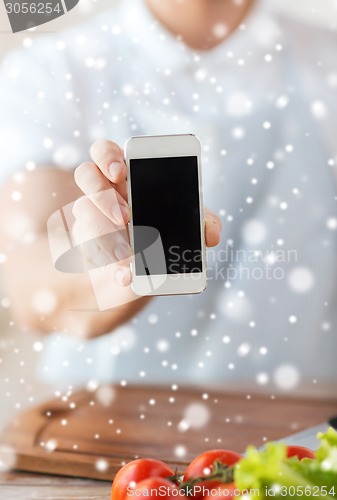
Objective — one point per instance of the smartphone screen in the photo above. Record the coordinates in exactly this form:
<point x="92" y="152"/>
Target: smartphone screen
<point x="165" y="197"/>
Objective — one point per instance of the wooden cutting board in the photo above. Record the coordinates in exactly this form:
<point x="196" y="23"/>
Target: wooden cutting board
<point x="92" y="433"/>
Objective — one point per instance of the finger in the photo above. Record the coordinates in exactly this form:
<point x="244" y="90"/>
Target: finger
<point x="92" y="224"/>
<point x="92" y="182"/>
<point x="213" y="228"/>
<point x="109" y="202"/>
<point x="93" y="255"/>
<point x="116" y="247"/>
<point x="122" y="275"/>
<point x="109" y="158"/>
<point x="110" y="252"/>
<point x="112" y="205"/>
<point x="90" y="179"/>
<point x="118" y="273"/>
<point x="90" y="227"/>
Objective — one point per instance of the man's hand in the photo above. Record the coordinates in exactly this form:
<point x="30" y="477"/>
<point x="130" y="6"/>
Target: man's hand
<point x="105" y="210"/>
<point x="42" y="298"/>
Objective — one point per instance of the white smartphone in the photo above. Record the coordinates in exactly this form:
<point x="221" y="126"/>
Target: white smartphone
<point x="167" y="218"/>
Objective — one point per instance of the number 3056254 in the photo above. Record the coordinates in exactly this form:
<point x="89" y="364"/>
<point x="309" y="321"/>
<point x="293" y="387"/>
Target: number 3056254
<point x="32" y="8"/>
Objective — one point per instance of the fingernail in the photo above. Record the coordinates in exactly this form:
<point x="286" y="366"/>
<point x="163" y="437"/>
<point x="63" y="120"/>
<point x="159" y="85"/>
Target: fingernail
<point x="120" y="214"/>
<point x="115" y="169"/>
<point x="119" y="275"/>
<point x="122" y="251"/>
<point x="125" y="213"/>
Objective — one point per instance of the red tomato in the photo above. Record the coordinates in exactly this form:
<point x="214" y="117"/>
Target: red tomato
<point x="156" y="487"/>
<point x="203" y="466"/>
<point x="300" y="452"/>
<point x="226" y="492"/>
<point x="134" y="472"/>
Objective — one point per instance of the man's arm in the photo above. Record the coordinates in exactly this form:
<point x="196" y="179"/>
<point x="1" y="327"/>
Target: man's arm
<point x="42" y="298"/>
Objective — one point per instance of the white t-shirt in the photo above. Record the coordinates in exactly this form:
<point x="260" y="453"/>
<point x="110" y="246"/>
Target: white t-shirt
<point x="264" y="106"/>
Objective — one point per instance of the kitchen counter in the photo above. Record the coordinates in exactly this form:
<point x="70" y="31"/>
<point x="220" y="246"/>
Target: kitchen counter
<point x="90" y="434"/>
<point x="23" y="486"/>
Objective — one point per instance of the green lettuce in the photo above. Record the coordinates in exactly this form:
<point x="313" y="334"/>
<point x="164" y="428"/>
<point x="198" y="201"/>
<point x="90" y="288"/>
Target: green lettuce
<point x="269" y="473"/>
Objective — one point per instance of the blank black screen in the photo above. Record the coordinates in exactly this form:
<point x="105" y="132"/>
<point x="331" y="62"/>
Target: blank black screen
<point x="165" y="196"/>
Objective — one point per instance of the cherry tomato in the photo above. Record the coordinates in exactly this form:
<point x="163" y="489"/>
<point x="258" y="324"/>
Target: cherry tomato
<point x="300" y="452"/>
<point x="134" y="472"/>
<point x="157" y="487"/>
<point x="203" y="466"/>
<point x="225" y="492"/>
